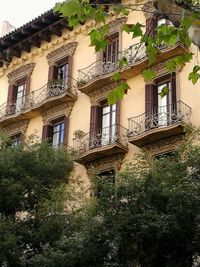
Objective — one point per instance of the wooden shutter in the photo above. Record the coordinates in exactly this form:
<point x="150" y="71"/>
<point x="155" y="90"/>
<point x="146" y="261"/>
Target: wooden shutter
<point x="53" y="73"/>
<point x="11" y="98"/>
<point x="66" y="130"/>
<point x="173" y="84"/>
<point x="70" y="64"/>
<point x="93" y="113"/>
<point x="118" y="104"/>
<point x="149" y="98"/>
<point x="47" y="133"/>
<point x="28" y="83"/>
<point x="151" y="24"/>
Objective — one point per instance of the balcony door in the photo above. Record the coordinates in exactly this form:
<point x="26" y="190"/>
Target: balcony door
<point x="160" y="111"/>
<point x="63" y="73"/>
<point x="108" y="124"/>
<point x="19" y="100"/>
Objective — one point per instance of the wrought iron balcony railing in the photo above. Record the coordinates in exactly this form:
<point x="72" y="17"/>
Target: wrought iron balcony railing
<point x="160" y="117"/>
<point x="103" y="67"/>
<point x="37" y="97"/>
<point x="115" y="134"/>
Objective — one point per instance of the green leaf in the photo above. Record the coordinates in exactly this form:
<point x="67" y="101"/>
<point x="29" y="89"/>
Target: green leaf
<point x="116" y="76"/>
<point x="165" y="91"/>
<point x="148" y="75"/>
<point x="117" y="93"/>
<point x="123" y="62"/>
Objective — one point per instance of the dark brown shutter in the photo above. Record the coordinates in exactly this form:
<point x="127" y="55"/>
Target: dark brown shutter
<point x="11" y="98"/>
<point x="53" y="73"/>
<point x="66" y="130"/>
<point x="173" y="84"/>
<point x="93" y="113"/>
<point x="148" y="98"/>
<point x="70" y="65"/>
<point x="47" y="133"/>
<point x="28" y="84"/>
<point x="151" y="103"/>
<point x="118" y="104"/>
<point x="151" y="24"/>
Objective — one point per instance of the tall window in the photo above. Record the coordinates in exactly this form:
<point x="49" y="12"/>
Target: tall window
<point x="108" y="123"/>
<point x="63" y="72"/>
<point x="160" y="111"/>
<point x="112" y="49"/>
<point x="16" y="139"/>
<point x="58" y="134"/>
<point x="19" y="100"/>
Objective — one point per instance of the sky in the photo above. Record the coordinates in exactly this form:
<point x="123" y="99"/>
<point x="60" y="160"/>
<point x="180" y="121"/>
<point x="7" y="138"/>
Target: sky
<point x="19" y="12"/>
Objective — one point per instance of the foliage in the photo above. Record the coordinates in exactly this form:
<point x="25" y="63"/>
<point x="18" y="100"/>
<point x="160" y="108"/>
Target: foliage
<point x="30" y="176"/>
<point x="149" y="217"/>
<point x="79" y="11"/>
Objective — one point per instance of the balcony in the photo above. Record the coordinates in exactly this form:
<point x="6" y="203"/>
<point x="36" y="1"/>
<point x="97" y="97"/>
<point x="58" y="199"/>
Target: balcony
<point x="53" y="93"/>
<point x="99" y="73"/>
<point x="104" y="142"/>
<point x="163" y="122"/>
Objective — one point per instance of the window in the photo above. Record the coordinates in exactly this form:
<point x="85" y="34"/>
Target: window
<point x="56" y="132"/>
<point x="171" y="155"/>
<point x="16" y="139"/>
<point x="112" y="49"/>
<point x="161" y="111"/>
<point x="104" y="124"/>
<point x="17" y="96"/>
<point x="108" y="123"/>
<point x="162" y="21"/>
<point x="19" y="100"/>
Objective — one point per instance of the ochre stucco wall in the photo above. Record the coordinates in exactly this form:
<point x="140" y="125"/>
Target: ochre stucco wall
<point x="132" y="104"/>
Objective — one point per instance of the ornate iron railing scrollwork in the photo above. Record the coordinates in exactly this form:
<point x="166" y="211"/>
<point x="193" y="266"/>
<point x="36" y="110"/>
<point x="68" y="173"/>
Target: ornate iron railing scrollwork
<point x="159" y="117"/>
<point x="100" y="138"/>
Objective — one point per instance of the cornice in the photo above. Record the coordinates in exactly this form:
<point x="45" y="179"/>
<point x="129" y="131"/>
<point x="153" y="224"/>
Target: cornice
<point x="53" y="45"/>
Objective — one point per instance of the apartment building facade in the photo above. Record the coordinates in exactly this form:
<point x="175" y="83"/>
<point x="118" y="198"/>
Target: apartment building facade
<point x="52" y="83"/>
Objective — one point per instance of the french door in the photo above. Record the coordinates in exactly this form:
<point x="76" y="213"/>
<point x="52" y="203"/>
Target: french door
<point x="108" y="131"/>
<point x="20" y="97"/>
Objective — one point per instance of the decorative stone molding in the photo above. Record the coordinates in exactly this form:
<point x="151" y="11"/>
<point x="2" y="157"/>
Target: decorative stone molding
<point x="18" y="127"/>
<point x="161" y="70"/>
<point x="116" y="25"/>
<point x="148" y="9"/>
<point x="62" y="52"/>
<point x="56" y="112"/>
<point x="105" y="164"/>
<point x="20" y="73"/>
<point x="164" y="145"/>
<point x="101" y="93"/>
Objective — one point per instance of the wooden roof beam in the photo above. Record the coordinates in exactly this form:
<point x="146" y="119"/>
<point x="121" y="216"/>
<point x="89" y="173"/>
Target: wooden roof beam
<point x="14" y="52"/>
<point x="45" y="36"/>
<point x="55" y="30"/>
<point x="35" y="42"/>
<point x="25" y="46"/>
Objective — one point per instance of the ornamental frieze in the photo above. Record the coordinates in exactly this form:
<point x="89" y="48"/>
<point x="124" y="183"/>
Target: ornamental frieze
<point x="18" y="127"/>
<point x="101" y="93"/>
<point x="61" y="52"/>
<point x="105" y="164"/>
<point x="148" y="9"/>
<point x="20" y="73"/>
<point x="56" y="112"/>
<point x="164" y="145"/>
<point x="116" y="25"/>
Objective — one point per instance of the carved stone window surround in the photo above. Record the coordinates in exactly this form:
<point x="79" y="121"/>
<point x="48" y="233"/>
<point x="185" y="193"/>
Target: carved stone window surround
<point x="105" y="164"/>
<point x="16" y="128"/>
<point x="57" y="112"/>
<point x="20" y="73"/>
<point x="62" y="52"/>
<point x="100" y="94"/>
<point x="163" y="146"/>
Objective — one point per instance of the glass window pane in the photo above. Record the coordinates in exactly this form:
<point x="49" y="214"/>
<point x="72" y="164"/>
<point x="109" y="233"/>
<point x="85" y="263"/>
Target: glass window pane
<point x="106" y="120"/>
<point x="106" y="109"/>
<point x="55" y="141"/>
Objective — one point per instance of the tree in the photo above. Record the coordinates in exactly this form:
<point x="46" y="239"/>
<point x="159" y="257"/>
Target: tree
<point x="183" y="14"/>
<point x="149" y="218"/>
<point x="30" y="176"/>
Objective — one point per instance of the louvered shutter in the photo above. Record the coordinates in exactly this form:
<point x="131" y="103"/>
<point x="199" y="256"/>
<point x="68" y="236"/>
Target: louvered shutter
<point x="11" y="98"/>
<point x="173" y="83"/>
<point x="93" y="113"/>
<point x="47" y="133"/>
<point x="66" y="130"/>
<point x="53" y="73"/>
<point x="70" y="65"/>
<point x="28" y="83"/>
<point x="151" y="103"/>
<point x="118" y="104"/>
<point x="151" y="24"/>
